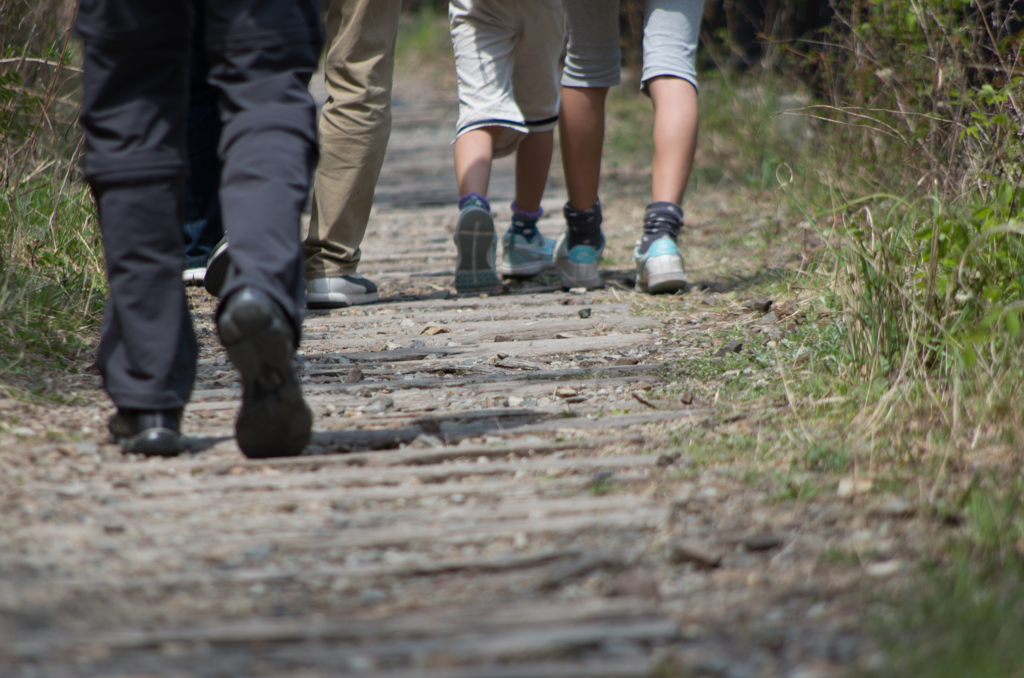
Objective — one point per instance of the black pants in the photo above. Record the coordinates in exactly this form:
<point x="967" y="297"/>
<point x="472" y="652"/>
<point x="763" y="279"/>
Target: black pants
<point x="135" y="97"/>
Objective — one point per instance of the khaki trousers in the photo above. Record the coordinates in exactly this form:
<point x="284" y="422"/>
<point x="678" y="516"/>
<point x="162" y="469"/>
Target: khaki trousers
<point x="354" y="128"/>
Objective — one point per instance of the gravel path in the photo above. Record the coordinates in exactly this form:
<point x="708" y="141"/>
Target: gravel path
<point x="491" y="492"/>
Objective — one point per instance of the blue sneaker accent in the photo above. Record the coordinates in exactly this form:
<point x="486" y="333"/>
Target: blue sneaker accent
<point x="578" y="266"/>
<point x="660" y="269"/>
<point x="522" y="256"/>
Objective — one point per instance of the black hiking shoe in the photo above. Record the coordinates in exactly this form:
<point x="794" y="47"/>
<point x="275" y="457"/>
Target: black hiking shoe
<point x="154" y="433"/>
<point x="217" y="268"/>
<point x="274" y="421"/>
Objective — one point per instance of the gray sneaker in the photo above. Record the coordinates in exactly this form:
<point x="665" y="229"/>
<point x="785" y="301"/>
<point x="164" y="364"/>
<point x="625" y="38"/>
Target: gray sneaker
<point x="476" y="243"/>
<point x="340" y="291"/>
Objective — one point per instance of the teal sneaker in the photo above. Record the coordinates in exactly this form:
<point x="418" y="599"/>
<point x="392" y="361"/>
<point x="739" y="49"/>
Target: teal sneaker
<point x="578" y="266"/>
<point x="660" y="269"/>
<point x="476" y="243"/>
<point x="522" y="257"/>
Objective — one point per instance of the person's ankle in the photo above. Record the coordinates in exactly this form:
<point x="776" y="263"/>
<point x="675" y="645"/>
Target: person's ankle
<point x="584" y="225"/>
<point x="480" y="201"/>
<point x="661" y="219"/>
<point x="524" y="223"/>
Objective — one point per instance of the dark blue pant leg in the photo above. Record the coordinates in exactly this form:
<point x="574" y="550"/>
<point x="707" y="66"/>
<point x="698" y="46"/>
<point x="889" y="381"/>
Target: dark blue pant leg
<point x="261" y="60"/>
<point x="203" y="228"/>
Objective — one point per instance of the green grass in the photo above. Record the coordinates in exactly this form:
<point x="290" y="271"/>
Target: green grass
<point x="52" y="283"/>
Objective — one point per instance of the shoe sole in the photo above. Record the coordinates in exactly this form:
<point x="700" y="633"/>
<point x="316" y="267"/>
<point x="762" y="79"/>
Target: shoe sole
<point x="338" y="300"/>
<point x="193" y="277"/>
<point x="154" y="442"/>
<point x="579" y="275"/>
<point x="662" y="275"/>
<point x="475" y="238"/>
<point x="217" y="271"/>
<point x="524" y="270"/>
<point x="274" y="420"/>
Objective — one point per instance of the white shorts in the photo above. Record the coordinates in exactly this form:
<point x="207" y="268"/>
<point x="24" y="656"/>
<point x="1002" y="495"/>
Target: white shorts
<point x="671" y="34"/>
<point x="506" y="57"/>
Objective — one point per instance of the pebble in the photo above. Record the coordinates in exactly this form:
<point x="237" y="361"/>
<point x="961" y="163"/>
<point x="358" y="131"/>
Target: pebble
<point x="584" y="313"/>
<point x="886" y="568"/>
<point x="894" y="508"/>
<point x="849" y="487"/>
<point x="762" y="542"/>
<point x="354" y="376"/>
<point x="682" y="551"/>
<point x="578" y="290"/>
<point x="733" y="346"/>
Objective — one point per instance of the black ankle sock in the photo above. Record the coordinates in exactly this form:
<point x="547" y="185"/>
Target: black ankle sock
<point x="661" y="219"/>
<point x="524" y="227"/>
<point x="584" y="226"/>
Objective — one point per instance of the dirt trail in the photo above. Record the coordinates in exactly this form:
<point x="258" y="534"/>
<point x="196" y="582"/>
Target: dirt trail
<point x="488" y="494"/>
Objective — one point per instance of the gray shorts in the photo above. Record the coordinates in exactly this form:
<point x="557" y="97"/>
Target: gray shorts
<point x="506" y="58"/>
<point x="671" y="32"/>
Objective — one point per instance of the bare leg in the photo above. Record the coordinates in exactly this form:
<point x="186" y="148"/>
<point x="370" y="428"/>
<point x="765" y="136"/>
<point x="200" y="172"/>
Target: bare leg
<point x="473" y="153"/>
<point x="581" y="133"/>
<point x="533" y="162"/>
<point x="675" y="137"/>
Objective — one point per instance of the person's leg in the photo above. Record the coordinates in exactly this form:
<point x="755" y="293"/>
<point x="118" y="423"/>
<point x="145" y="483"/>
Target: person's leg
<point x="269" y="150"/>
<point x="354" y="129"/>
<point x="489" y="126"/>
<point x="135" y="82"/>
<point x="591" y="67"/>
<point x="675" y="137"/>
<point x="581" y="136"/>
<point x="669" y="76"/>
<point x="203" y="228"/>
<point x="533" y="160"/>
<point x="474" y="152"/>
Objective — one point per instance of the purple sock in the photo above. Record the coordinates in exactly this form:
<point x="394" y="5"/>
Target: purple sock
<point x="470" y="196"/>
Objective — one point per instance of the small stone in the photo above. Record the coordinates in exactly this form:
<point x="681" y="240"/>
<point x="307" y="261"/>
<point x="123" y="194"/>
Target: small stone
<point x="425" y="440"/>
<point x="761" y="305"/>
<point x="565" y="392"/>
<point x="392" y="345"/>
<point x="502" y="337"/>
<point x="886" y="568"/>
<point x="667" y="459"/>
<point x="22" y="431"/>
<point x="381" y="403"/>
<point x="634" y="584"/>
<point x="114" y="528"/>
<point x="686" y="398"/>
<point x="408" y="322"/>
<point x="70" y="491"/>
<point x="732" y="346"/>
<point x="681" y="551"/>
<point x="768" y="319"/>
<point x="354" y="376"/>
<point x="894" y="508"/>
<point x="583" y="313"/>
<point x="87" y="449"/>
<point x="762" y="542"/>
<point x="433" y="330"/>
<point x="555" y="472"/>
<point x="625" y="361"/>
<point x="515" y="401"/>
<point x="457" y="498"/>
<point x="849" y="487"/>
<point x="260" y="552"/>
<point x="578" y="290"/>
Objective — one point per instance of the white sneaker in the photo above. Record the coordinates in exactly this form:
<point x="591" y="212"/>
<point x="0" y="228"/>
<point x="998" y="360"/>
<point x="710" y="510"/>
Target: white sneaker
<point x="340" y="291"/>
<point x="194" y="276"/>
